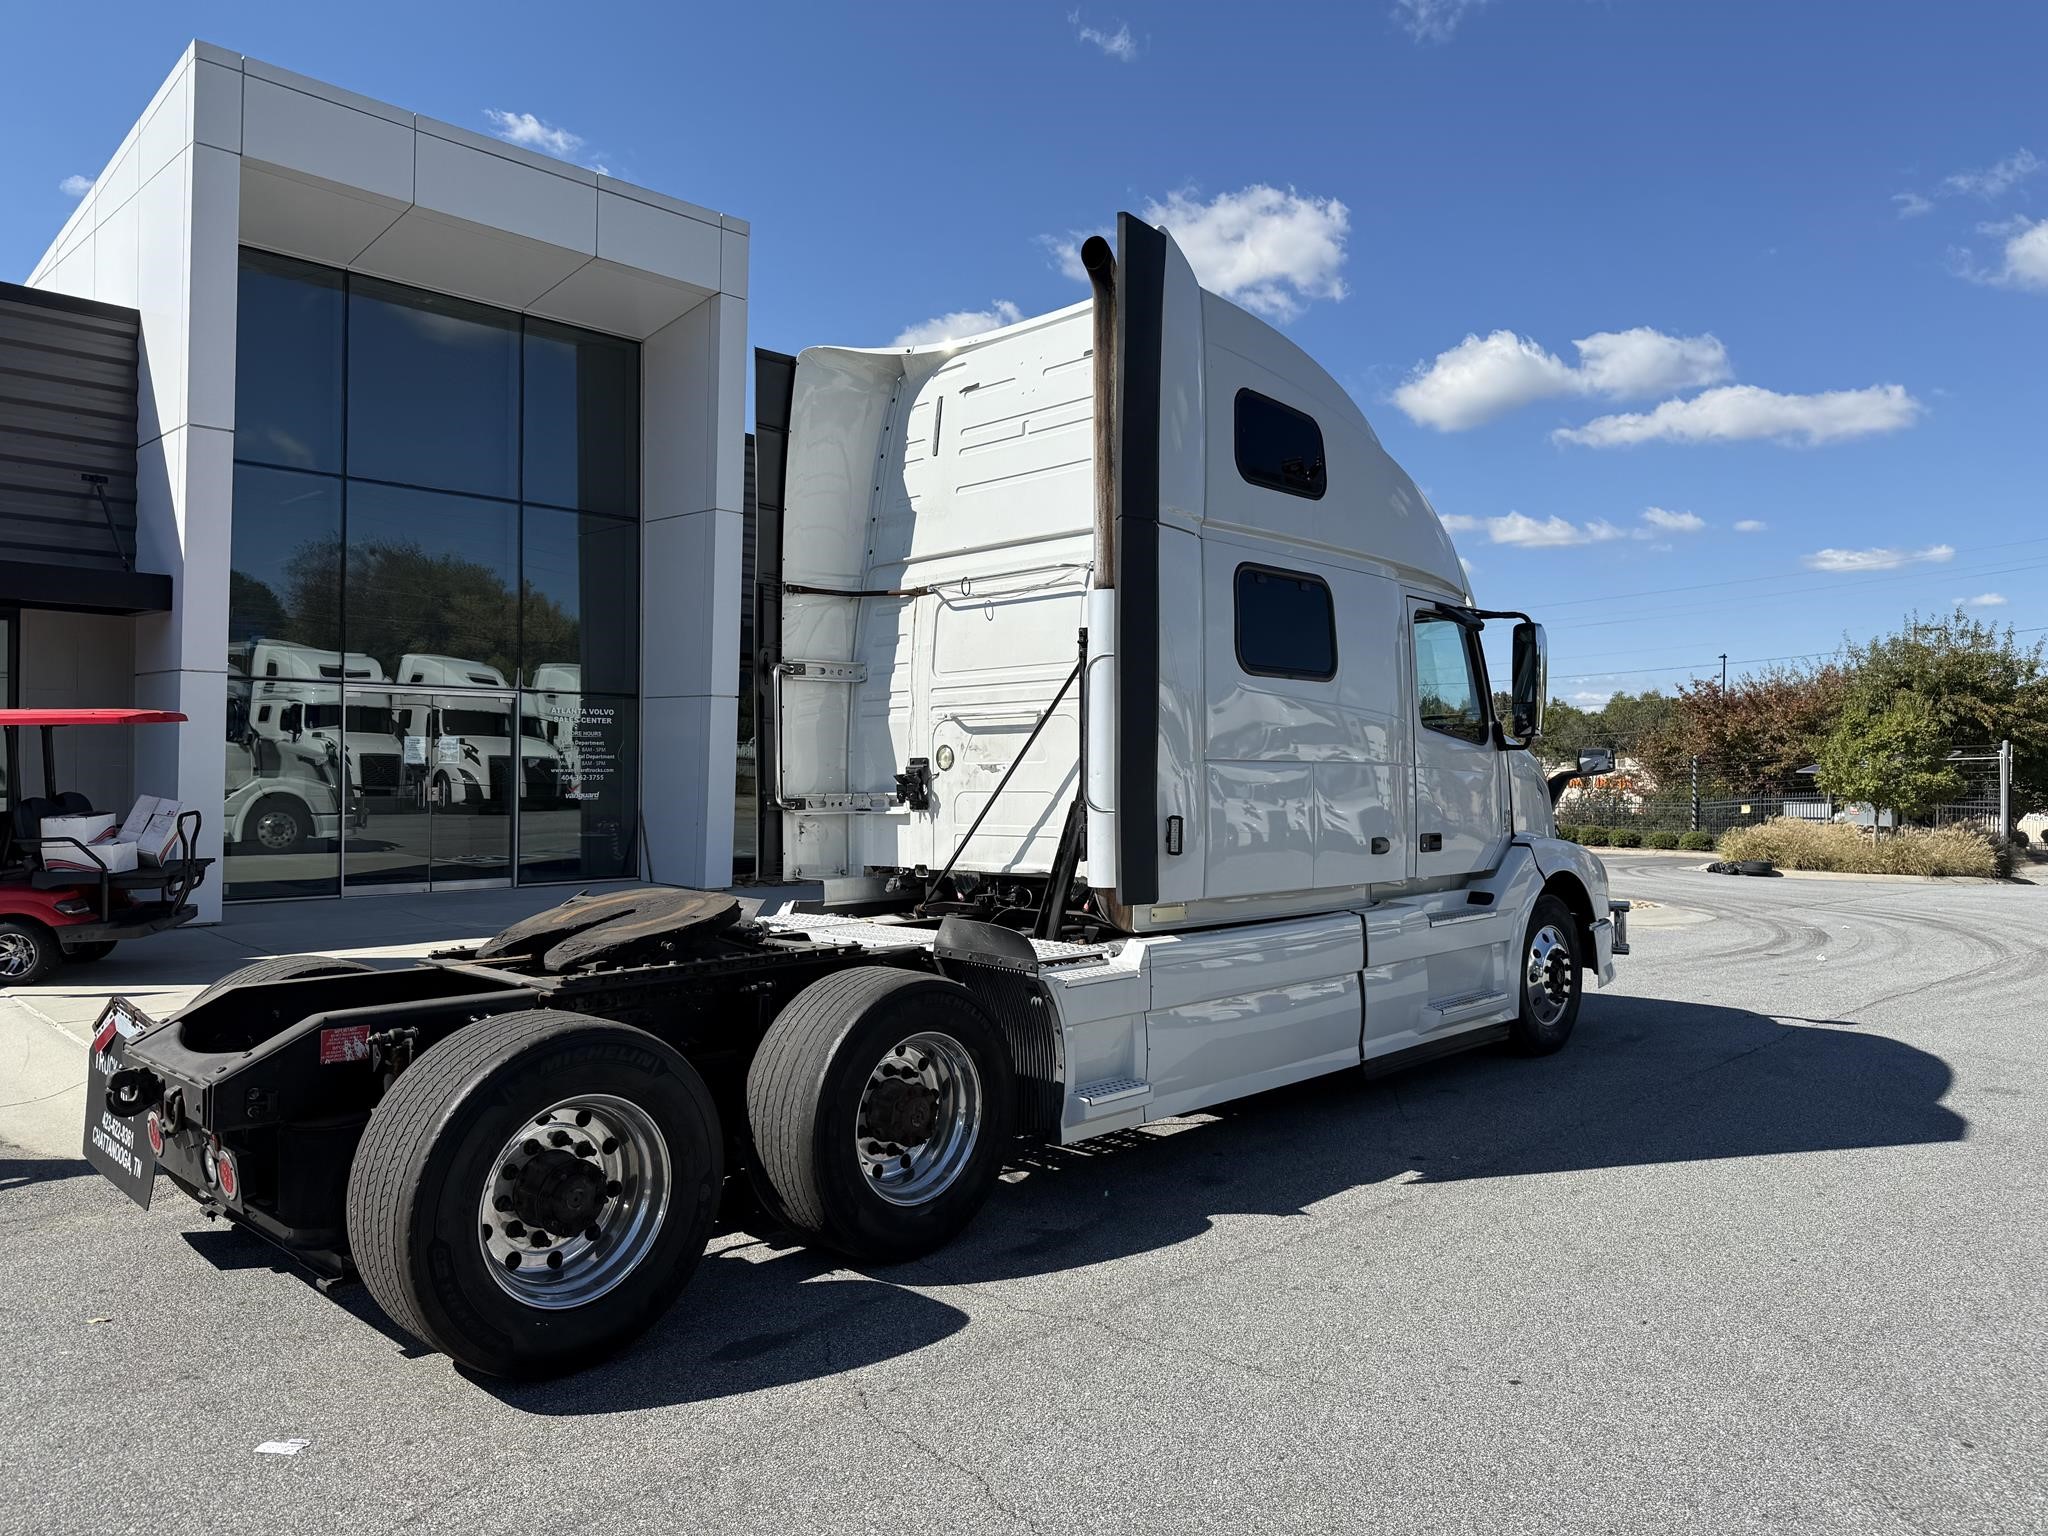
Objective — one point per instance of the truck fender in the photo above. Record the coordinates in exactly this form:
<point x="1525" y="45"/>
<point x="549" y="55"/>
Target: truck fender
<point x="1000" y="967"/>
<point x="1575" y="875"/>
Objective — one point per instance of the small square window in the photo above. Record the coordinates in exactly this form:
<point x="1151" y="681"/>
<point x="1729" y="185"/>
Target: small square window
<point x="1286" y="624"/>
<point x="1279" y="447"/>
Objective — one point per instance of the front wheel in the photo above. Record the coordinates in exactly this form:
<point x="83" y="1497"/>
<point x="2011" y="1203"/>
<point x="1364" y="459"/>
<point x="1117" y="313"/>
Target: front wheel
<point x="881" y="1102"/>
<point x="535" y="1191"/>
<point x="278" y="825"/>
<point x="1550" y="973"/>
<point x="28" y="951"/>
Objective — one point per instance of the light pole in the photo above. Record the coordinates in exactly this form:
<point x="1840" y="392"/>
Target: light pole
<point x="1724" y="672"/>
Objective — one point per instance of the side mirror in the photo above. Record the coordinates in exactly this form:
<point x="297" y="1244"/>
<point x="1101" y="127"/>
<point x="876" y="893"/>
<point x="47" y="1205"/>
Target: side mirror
<point x="1594" y="761"/>
<point x="1532" y="680"/>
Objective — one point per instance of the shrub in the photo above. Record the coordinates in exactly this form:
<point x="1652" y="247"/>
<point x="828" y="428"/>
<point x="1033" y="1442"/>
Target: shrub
<point x="1664" y="840"/>
<point x="1696" y="842"/>
<point x="1791" y="843"/>
<point x="1569" y="834"/>
<point x="1593" y="837"/>
<point x="1627" y="837"/>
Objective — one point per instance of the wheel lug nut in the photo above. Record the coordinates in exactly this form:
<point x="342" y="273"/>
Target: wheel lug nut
<point x="515" y="1229"/>
<point x="539" y="1239"/>
<point x="585" y="1149"/>
<point x="509" y="1171"/>
<point x="531" y="1148"/>
<point x="558" y="1138"/>
<point x="503" y="1203"/>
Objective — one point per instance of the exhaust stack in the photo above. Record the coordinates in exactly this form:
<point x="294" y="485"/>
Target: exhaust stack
<point x="1100" y="263"/>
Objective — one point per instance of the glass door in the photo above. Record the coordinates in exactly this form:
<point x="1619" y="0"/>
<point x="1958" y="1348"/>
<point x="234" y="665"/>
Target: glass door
<point x="438" y="782"/>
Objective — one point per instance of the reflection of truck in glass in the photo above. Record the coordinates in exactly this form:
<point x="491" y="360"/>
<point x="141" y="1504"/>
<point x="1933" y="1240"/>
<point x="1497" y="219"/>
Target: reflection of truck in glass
<point x="358" y="723"/>
<point x="464" y="747"/>
<point x="554" y="700"/>
<point x="285" y="785"/>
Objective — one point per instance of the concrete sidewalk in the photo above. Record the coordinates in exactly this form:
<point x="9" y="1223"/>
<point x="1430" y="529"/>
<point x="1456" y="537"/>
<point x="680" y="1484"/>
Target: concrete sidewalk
<point x="44" y="1028"/>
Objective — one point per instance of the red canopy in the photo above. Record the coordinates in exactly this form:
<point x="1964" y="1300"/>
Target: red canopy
<point x="89" y="717"/>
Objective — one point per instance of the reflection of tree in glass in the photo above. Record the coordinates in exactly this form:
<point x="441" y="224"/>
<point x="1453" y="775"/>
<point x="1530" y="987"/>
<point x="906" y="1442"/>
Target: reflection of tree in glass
<point x="402" y="601"/>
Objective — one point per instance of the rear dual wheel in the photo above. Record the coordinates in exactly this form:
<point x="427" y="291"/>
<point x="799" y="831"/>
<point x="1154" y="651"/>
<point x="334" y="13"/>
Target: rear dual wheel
<point x="881" y="1102"/>
<point x="535" y="1191"/>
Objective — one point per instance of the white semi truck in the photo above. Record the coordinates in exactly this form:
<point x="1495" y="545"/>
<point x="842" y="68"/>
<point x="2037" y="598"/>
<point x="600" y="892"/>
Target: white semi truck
<point x="1128" y="700"/>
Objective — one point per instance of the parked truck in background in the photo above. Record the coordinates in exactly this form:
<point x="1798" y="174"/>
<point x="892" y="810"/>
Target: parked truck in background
<point x="1129" y="702"/>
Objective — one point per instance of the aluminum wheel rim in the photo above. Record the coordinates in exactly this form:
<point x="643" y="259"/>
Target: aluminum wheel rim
<point x="911" y="1173"/>
<point x="1547" y="975"/>
<point x="610" y="1136"/>
<point x="17" y="954"/>
<point x="277" y="829"/>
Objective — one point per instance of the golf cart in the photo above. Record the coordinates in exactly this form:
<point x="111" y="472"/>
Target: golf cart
<point x="65" y="897"/>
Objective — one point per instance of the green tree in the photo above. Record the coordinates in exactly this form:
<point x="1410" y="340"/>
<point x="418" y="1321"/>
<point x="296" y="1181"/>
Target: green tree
<point x="1978" y="684"/>
<point x="1891" y="752"/>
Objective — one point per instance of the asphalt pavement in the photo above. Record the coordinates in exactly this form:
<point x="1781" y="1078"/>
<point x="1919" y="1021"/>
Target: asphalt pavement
<point x="1765" y="1249"/>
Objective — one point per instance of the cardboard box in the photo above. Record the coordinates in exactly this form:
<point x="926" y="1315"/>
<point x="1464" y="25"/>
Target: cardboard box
<point x="159" y="842"/>
<point x="146" y="809"/>
<point x="95" y="829"/>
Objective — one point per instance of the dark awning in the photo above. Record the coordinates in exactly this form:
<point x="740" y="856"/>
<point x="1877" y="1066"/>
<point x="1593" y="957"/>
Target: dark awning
<point x="82" y="589"/>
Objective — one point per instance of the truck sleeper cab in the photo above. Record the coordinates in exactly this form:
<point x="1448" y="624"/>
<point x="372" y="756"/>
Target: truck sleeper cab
<point x="1127" y="699"/>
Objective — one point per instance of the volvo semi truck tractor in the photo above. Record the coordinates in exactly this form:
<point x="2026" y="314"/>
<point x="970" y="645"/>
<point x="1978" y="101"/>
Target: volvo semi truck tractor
<point x="1129" y="703"/>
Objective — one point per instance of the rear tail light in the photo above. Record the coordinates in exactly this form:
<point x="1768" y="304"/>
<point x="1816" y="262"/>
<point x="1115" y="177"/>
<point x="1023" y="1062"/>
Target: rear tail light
<point x="230" y="1177"/>
<point x="156" y="1134"/>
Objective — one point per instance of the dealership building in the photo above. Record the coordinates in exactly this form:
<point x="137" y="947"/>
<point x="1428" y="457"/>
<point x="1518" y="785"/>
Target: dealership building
<point x="411" y="467"/>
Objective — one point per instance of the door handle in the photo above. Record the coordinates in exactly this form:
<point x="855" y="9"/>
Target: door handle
<point x="1432" y="842"/>
<point x="1380" y="845"/>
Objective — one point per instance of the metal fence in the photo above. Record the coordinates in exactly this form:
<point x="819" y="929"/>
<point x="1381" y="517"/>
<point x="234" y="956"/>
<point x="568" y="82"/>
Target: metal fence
<point x="1650" y="793"/>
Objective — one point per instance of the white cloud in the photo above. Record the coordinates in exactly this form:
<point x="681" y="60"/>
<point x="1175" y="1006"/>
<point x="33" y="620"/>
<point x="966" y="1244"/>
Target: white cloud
<point x="75" y="186"/>
<point x="1982" y="600"/>
<point x="2023" y="262"/>
<point x="1739" y="412"/>
<point x="1432" y="21"/>
<point x="1592" y="698"/>
<point x="1646" y="362"/>
<point x="1993" y="181"/>
<point x="529" y="132"/>
<point x="961" y="323"/>
<point x="1271" y="251"/>
<point x="1751" y="525"/>
<point x="1673" y="522"/>
<point x="1119" y="45"/>
<point x="1458" y="522"/>
<point x="1911" y="204"/>
<point x="1853" y="560"/>
<point x="1486" y="376"/>
<point x="1519" y="529"/>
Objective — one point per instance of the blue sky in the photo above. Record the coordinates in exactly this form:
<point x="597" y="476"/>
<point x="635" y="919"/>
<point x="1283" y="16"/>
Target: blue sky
<point x="1805" y="247"/>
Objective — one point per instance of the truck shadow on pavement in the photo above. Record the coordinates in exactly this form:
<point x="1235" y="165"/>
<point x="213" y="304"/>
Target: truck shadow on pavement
<point x="1645" y="1082"/>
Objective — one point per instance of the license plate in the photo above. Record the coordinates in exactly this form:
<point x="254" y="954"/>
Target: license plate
<point x="118" y="1148"/>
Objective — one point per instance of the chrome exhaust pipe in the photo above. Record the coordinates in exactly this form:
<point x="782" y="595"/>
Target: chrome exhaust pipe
<point x="1099" y="261"/>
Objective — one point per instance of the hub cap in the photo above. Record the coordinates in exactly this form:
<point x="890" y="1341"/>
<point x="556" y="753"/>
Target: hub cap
<point x="1547" y="978"/>
<point x="277" y="829"/>
<point x="919" y="1119"/>
<point x="17" y="954"/>
<point x="575" y="1201"/>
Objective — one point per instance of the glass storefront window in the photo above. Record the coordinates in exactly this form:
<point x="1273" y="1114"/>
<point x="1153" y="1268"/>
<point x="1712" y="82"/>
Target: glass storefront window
<point x="432" y="586"/>
<point x="581" y="599"/>
<point x="287" y="794"/>
<point x="288" y="341"/>
<point x="436" y="535"/>
<point x="284" y="576"/>
<point x="582" y="410"/>
<point x="433" y="391"/>
<point x="579" y="818"/>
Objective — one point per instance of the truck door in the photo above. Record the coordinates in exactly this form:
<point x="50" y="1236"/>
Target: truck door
<point x="1460" y="796"/>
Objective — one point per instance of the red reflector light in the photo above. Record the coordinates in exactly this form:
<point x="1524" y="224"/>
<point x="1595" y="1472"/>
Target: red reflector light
<point x="156" y="1134"/>
<point x="227" y="1174"/>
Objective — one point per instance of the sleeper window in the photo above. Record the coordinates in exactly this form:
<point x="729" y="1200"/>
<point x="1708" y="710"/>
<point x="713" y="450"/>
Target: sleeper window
<point x="1447" y="689"/>
<point x="1286" y="625"/>
<point x="1279" y="447"/>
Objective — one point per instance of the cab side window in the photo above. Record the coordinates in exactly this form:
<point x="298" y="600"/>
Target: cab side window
<point x="1286" y="624"/>
<point x="1448" y="691"/>
<point x="1279" y="447"/>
